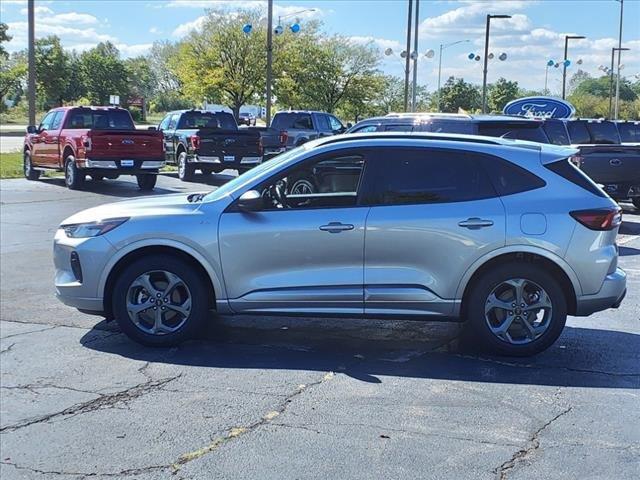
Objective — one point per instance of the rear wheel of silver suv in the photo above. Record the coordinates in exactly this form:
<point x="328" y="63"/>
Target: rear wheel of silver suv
<point x="516" y="309"/>
<point x="160" y="301"/>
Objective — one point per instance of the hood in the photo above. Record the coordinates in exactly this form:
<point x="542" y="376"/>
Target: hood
<point x="175" y="204"/>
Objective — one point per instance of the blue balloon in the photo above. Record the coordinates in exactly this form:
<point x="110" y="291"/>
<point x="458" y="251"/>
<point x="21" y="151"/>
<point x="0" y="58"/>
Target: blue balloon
<point x="567" y="63"/>
<point x="550" y="63"/>
<point x="471" y="56"/>
<point x="247" y="28"/>
<point x="295" y="28"/>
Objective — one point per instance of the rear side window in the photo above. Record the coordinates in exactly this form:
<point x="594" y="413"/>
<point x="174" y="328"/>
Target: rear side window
<point x="566" y="170"/>
<point x="557" y="132"/>
<point x="578" y="132"/>
<point x="323" y="123"/>
<point x="292" y="121"/>
<point x="366" y="129"/>
<point x="508" y="178"/>
<point x="531" y="131"/>
<point x="404" y="176"/>
<point x="458" y="126"/>
<point x="399" y="128"/>
<point x="629" y="132"/>
<point x="603" y="133"/>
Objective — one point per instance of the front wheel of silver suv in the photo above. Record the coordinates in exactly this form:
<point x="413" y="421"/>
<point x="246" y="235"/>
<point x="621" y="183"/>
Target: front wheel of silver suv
<point x="515" y="309"/>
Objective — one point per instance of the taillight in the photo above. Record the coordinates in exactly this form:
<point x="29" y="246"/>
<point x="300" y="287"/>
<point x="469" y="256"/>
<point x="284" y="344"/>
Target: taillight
<point x="86" y="143"/>
<point x="260" y="147"/>
<point x="283" y="138"/>
<point x="576" y="160"/>
<point x="599" y="219"/>
<point x="195" y="141"/>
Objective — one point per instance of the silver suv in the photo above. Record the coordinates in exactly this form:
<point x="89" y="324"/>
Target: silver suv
<point x="504" y="234"/>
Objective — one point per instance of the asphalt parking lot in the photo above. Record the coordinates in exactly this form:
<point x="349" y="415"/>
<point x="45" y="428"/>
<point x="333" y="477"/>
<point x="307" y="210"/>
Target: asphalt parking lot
<point x="296" y="398"/>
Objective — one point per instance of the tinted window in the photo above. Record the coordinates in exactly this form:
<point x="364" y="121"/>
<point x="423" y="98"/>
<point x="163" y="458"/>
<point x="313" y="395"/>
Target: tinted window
<point x="335" y="123"/>
<point x="506" y="177"/>
<point x="557" y="132"/>
<point x="441" y="126"/>
<point x="566" y="170"/>
<point x="223" y="120"/>
<point x="57" y="120"/>
<point x="323" y="123"/>
<point x="328" y="182"/>
<point x="603" y="132"/>
<point x="629" y="132"/>
<point x="292" y="120"/>
<point x="366" y="128"/>
<point x="173" y="121"/>
<point x="399" y="128"/>
<point x="416" y="176"/>
<point x="578" y="133"/>
<point x="45" y="124"/>
<point x="100" y="119"/>
<point x="518" y="131"/>
<point x="164" y="125"/>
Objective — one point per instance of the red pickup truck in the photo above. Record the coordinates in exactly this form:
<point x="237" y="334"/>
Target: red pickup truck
<point x="98" y="141"/>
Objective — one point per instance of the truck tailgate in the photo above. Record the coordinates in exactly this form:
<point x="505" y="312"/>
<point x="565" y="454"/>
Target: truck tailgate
<point x="229" y="143"/>
<point x="609" y="164"/>
<point x="126" y="144"/>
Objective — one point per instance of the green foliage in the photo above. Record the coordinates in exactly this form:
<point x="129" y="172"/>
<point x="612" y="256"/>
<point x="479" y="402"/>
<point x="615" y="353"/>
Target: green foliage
<point x="584" y="84"/>
<point x="456" y="95"/>
<point x="52" y="71"/>
<point x="103" y="74"/>
<point x="4" y="37"/>
<point x="501" y="93"/>
<point x="13" y="73"/>
<point x="167" y="101"/>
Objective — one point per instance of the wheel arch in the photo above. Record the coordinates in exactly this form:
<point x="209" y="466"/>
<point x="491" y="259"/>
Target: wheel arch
<point x="560" y="270"/>
<point x="67" y="151"/>
<point x="117" y="264"/>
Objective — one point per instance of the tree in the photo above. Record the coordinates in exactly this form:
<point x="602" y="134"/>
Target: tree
<point x="4" y="37"/>
<point x="601" y="87"/>
<point x="140" y="77"/>
<point x="501" y="93"/>
<point x="458" y="94"/>
<point x="103" y="73"/>
<point x="52" y="70"/>
<point x="164" y="79"/>
<point x="221" y="63"/>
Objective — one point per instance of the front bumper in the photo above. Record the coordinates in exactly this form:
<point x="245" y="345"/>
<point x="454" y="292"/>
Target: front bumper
<point x="93" y="253"/>
<point x="613" y="291"/>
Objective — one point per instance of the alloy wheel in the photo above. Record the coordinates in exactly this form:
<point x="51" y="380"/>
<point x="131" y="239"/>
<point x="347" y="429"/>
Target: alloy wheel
<point x="158" y="302"/>
<point x="518" y="311"/>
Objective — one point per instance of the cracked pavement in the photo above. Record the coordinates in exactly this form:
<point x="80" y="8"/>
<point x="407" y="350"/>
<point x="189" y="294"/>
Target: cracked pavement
<point x="279" y="398"/>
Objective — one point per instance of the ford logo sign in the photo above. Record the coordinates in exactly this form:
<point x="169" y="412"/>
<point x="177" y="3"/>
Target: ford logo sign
<point x="229" y="141"/>
<point x="127" y="141"/>
<point x="540" y="107"/>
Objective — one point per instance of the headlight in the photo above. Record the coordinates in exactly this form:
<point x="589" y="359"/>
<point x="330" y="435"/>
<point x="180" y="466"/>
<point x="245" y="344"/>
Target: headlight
<point x="92" y="229"/>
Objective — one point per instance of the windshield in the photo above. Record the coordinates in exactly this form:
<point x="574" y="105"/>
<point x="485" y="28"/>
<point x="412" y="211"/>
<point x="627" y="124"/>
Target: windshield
<point x="258" y="172"/>
<point x="100" y="119"/>
<point x="224" y="120"/>
<point x="629" y="132"/>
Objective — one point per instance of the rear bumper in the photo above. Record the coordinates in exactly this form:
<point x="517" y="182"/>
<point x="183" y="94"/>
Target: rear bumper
<point x="121" y="165"/>
<point x="622" y="191"/>
<point x="613" y="291"/>
<point x="219" y="161"/>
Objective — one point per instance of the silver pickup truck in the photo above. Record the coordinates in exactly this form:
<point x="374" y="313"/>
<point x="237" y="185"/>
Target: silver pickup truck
<point x="301" y="126"/>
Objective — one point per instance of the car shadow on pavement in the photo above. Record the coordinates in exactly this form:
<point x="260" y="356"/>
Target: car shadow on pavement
<point x="117" y="188"/>
<point x="582" y="357"/>
<point x="627" y="251"/>
<point x="213" y="179"/>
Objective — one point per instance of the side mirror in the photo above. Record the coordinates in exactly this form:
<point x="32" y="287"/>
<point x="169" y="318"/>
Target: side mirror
<point x="250" y="201"/>
<point x="153" y="129"/>
<point x="32" y="129"/>
<point x="349" y="124"/>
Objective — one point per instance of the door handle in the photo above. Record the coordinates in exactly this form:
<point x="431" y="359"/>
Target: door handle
<point x="475" y="223"/>
<point x="336" y="227"/>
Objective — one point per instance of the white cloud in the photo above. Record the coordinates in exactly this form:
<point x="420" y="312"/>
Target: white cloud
<point x="155" y="30"/>
<point x="186" y="28"/>
<point x="39" y="10"/>
<point x="133" y="50"/>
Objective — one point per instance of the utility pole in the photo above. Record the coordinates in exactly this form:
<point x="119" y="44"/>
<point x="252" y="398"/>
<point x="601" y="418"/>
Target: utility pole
<point x="618" y="67"/>
<point x="414" y="91"/>
<point x="407" y="65"/>
<point x="32" y="63"/>
<point x="269" y="57"/>
<point x="486" y="62"/>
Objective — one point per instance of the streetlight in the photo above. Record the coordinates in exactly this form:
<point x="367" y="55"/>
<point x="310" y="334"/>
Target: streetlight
<point x="619" y="54"/>
<point x="444" y="47"/>
<point x="295" y="28"/>
<point x="610" y="72"/>
<point x="486" y="59"/>
<point x="566" y="63"/>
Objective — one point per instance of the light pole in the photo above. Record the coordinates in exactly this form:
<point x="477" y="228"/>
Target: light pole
<point x="565" y="64"/>
<point x="32" y="63"/>
<point x="619" y="55"/>
<point x="280" y="17"/>
<point x="444" y="47"/>
<point x="415" y="59"/>
<point x="407" y="65"/>
<point x="486" y="59"/>
<point x="610" y="72"/>
<point x="269" y="57"/>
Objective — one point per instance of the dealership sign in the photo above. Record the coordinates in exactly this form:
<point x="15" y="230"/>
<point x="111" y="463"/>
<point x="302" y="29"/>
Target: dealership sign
<point x="540" y="107"/>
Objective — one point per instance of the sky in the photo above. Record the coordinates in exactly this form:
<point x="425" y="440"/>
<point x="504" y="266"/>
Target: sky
<point x="534" y="34"/>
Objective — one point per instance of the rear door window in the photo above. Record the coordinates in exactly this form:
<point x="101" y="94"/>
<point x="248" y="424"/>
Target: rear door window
<point x="557" y="132"/>
<point x="517" y="130"/>
<point x="408" y="127"/>
<point x="603" y="133"/>
<point x="404" y="176"/>
<point x="578" y="133"/>
<point x="322" y="122"/>
<point x="629" y="132"/>
<point x="444" y="126"/>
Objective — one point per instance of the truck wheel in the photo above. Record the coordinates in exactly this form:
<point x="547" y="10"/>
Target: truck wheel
<point x="160" y="301"/>
<point x="185" y="169"/>
<point x="516" y="309"/>
<point x="146" y="181"/>
<point x="29" y="172"/>
<point x="636" y="202"/>
<point x="73" y="176"/>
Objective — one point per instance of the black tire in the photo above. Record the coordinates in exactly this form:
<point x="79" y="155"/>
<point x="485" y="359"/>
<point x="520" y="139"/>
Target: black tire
<point x="185" y="169"/>
<point x="198" y="313"/>
<point x="73" y="177"/>
<point x="27" y="167"/>
<point x="636" y="202"/>
<point x="477" y="333"/>
<point x="146" y="181"/>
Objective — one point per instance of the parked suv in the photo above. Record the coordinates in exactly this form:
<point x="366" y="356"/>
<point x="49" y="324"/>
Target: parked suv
<point x="300" y="126"/>
<point x="506" y="235"/>
<point x="101" y="142"/>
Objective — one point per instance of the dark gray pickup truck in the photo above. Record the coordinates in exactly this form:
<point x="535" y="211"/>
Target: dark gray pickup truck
<point x="603" y="156"/>
<point x="300" y="126"/>
<point x="209" y="141"/>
